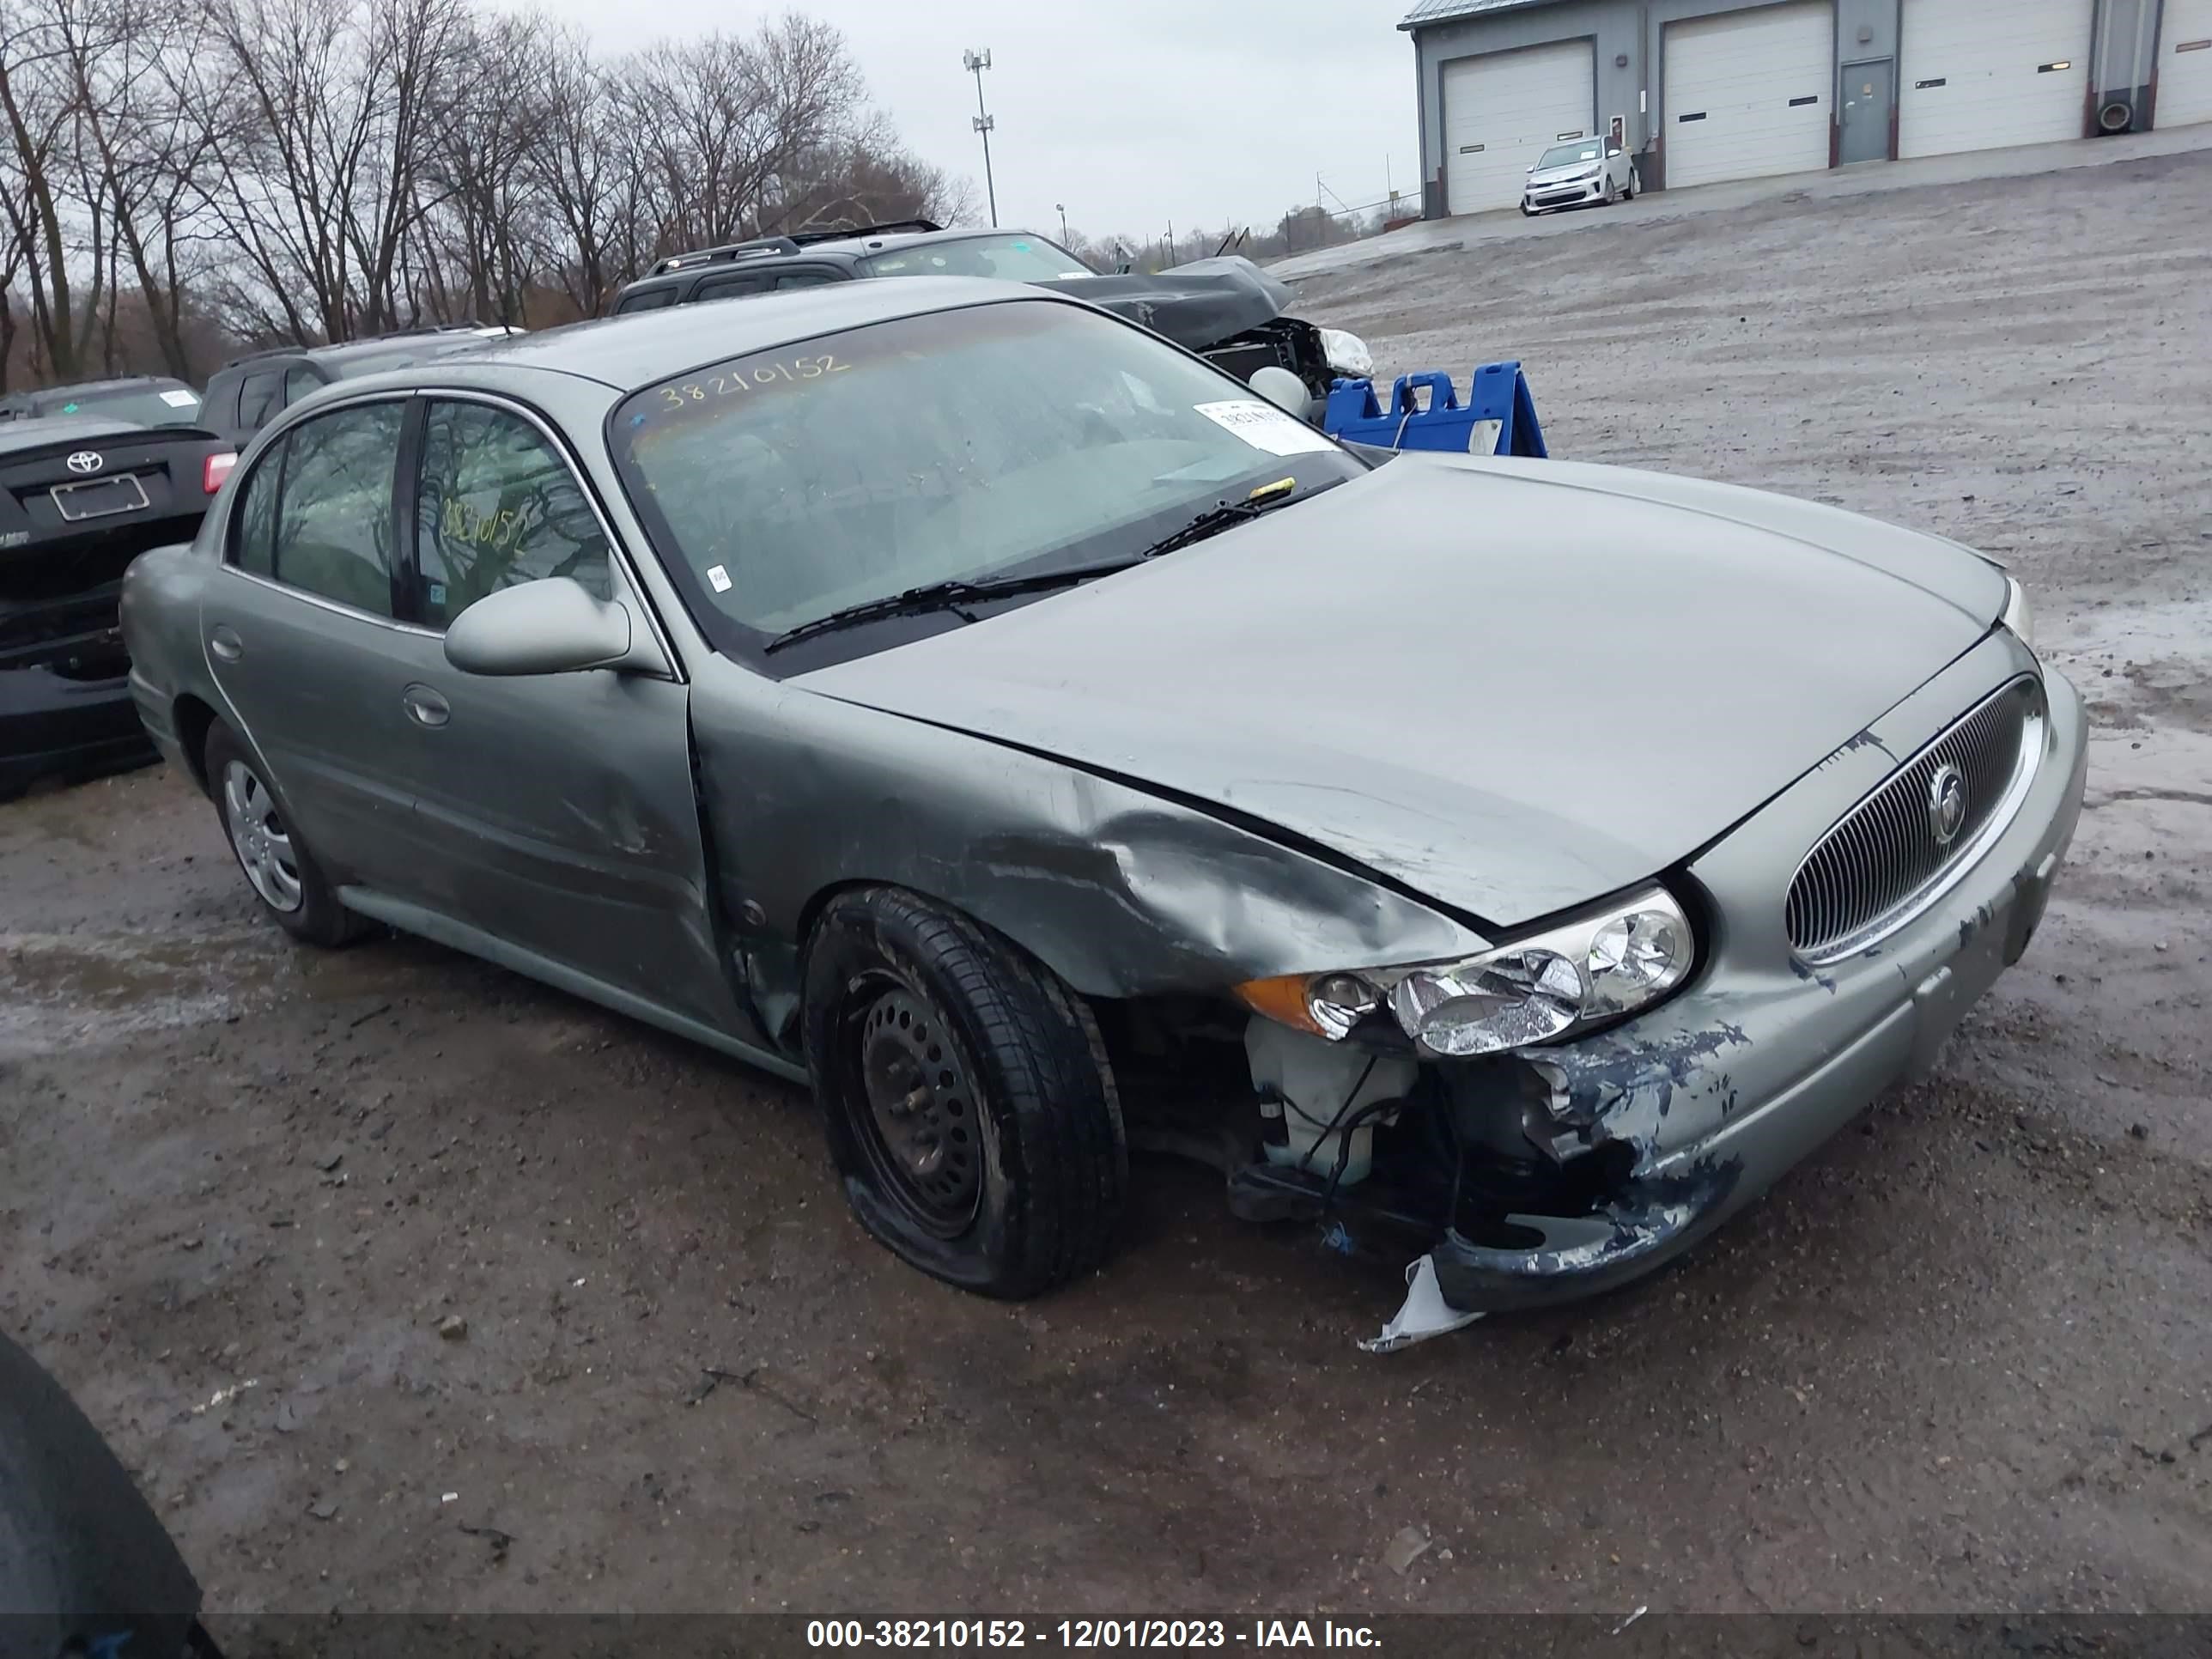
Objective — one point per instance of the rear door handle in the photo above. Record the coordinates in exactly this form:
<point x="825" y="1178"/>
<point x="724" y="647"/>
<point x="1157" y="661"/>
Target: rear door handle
<point x="425" y="707"/>
<point x="223" y="641"/>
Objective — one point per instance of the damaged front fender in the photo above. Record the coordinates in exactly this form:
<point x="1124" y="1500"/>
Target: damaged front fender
<point x="1120" y="892"/>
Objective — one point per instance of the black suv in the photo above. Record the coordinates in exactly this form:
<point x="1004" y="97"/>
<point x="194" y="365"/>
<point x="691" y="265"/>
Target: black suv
<point x="1225" y="308"/>
<point x="142" y="399"/>
<point x="248" y="392"/>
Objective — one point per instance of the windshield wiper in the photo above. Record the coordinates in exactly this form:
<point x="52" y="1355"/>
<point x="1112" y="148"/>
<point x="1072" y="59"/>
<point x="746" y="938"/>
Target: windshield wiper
<point x="944" y="596"/>
<point x="954" y="594"/>
<point x="1220" y="517"/>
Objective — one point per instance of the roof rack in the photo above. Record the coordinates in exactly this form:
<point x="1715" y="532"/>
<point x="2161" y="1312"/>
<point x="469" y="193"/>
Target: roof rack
<point x="754" y="249"/>
<point x="888" y="228"/>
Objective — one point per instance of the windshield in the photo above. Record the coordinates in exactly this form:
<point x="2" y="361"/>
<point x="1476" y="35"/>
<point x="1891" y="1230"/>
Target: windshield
<point x="1565" y="155"/>
<point x="157" y="404"/>
<point x="1015" y="256"/>
<point x="990" y="441"/>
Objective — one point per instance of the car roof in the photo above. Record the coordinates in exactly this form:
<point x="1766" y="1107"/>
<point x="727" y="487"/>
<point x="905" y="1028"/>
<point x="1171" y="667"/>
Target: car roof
<point x="456" y="337"/>
<point x="640" y="347"/>
<point x="858" y="245"/>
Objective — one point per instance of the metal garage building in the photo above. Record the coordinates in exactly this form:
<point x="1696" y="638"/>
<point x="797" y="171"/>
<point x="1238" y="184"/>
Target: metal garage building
<point x="1707" y="90"/>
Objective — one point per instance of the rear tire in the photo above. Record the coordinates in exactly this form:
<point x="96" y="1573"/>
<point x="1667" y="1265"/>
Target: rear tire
<point x="277" y="865"/>
<point x="965" y="1091"/>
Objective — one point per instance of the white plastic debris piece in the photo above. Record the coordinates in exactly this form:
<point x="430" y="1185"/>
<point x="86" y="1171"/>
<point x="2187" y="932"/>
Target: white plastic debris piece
<point x="1425" y="1313"/>
<point x="221" y="1396"/>
<point x="1409" y="1546"/>
<point x="1631" y="1619"/>
<point x="450" y="1497"/>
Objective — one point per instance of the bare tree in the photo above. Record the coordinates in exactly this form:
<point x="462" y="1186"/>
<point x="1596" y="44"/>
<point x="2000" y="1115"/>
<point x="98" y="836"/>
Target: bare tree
<point x="321" y="169"/>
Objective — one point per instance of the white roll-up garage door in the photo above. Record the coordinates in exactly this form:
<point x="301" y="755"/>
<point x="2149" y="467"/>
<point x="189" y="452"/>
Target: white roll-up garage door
<point x="2185" y="64"/>
<point x="1982" y="74"/>
<point x="1500" y="111"/>
<point x="1749" y="93"/>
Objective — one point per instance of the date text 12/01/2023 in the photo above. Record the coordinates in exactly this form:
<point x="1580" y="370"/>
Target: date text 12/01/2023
<point x="1086" y="1633"/>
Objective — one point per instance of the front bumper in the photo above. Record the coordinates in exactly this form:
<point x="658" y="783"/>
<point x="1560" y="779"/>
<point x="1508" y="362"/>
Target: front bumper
<point x="1544" y="198"/>
<point x="1728" y="1085"/>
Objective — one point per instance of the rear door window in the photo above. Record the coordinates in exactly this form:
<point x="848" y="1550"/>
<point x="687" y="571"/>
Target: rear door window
<point x="732" y="288"/>
<point x="260" y="398"/>
<point x="813" y="277"/>
<point x="317" y="512"/>
<point x="299" y="381"/>
<point x="498" y="505"/>
<point x="650" y="299"/>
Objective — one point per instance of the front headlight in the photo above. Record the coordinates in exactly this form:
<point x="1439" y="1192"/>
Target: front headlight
<point x="1601" y="964"/>
<point x="2019" y="614"/>
<point x="1347" y="354"/>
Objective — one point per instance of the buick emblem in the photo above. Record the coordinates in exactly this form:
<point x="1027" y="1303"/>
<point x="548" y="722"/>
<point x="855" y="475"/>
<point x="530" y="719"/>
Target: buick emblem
<point x="86" y="460"/>
<point x="1947" y="804"/>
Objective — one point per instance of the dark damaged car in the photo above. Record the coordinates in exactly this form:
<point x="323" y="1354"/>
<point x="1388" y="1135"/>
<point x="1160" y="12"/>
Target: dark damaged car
<point x="972" y="705"/>
<point x="1225" y="308"/>
<point x="81" y="496"/>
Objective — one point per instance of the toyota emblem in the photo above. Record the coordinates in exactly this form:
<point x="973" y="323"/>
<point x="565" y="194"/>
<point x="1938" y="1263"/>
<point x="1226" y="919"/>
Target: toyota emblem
<point x="87" y="460"/>
<point x="1947" y="804"/>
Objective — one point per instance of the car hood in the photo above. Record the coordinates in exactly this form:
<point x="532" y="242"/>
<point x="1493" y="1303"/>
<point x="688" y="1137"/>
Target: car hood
<point x="1512" y="686"/>
<point x="1562" y="175"/>
<point x="1198" y="305"/>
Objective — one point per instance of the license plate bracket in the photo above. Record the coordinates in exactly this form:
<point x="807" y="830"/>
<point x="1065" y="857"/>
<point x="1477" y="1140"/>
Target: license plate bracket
<point x="99" y="498"/>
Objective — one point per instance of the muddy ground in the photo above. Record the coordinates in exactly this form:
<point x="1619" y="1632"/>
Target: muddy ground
<point x="1957" y="1361"/>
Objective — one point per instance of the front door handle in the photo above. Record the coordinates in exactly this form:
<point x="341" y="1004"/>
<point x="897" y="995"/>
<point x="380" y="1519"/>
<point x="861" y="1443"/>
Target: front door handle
<point x="425" y="707"/>
<point x="223" y="641"/>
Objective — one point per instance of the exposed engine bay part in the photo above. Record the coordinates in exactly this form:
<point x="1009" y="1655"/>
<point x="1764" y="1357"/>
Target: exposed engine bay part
<point x="1233" y="314"/>
<point x="1319" y="1101"/>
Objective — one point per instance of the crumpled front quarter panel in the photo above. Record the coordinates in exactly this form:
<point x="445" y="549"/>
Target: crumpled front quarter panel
<point x="1120" y="892"/>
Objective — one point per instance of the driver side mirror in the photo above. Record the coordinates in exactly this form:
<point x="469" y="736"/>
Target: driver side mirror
<point x="550" y="626"/>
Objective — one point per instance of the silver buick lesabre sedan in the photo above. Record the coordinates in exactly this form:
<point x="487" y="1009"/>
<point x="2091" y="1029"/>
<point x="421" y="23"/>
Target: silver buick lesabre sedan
<point x="967" y="702"/>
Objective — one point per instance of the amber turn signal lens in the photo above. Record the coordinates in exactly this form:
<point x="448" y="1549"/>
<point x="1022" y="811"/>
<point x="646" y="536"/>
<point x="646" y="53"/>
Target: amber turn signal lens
<point x="1282" y="999"/>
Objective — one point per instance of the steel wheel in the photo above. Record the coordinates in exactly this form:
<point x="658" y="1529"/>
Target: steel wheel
<point x="263" y="845"/>
<point x="917" y="1116"/>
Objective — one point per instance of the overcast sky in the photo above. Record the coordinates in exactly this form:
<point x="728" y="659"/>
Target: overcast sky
<point x="1131" y="112"/>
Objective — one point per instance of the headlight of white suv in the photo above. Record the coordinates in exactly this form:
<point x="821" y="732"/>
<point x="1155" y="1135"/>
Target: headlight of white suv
<point x="2019" y="614"/>
<point x="1541" y="989"/>
<point x="1347" y="354"/>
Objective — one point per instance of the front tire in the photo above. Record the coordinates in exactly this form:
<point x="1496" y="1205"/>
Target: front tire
<point x="966" y="1095"/>
<point x="275" y="861"/>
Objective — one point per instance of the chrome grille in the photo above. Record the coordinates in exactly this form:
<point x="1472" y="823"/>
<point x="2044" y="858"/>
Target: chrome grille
<point x="1882" y="863"/>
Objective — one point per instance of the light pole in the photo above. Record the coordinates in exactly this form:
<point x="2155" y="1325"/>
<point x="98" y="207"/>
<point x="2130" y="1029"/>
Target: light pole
<point x="1062" y="206"/>
<point x="976" y="62"/>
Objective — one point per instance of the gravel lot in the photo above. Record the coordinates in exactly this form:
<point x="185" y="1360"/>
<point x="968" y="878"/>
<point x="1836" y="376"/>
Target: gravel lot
<point x="1957" y="1361"/>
